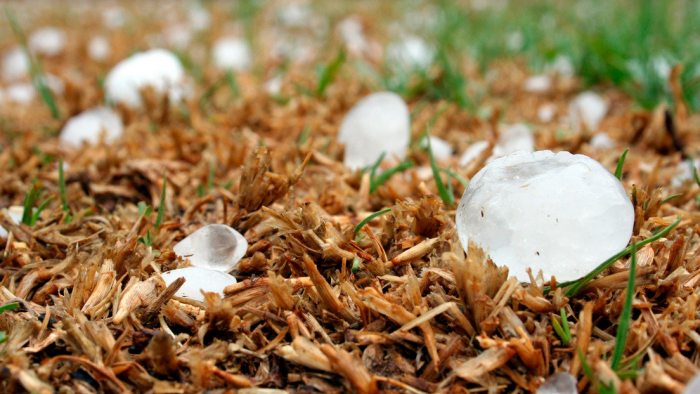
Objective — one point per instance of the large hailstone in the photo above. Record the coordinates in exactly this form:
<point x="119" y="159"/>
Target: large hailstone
<point x="215" y="247"/>
<point x="157" y="68"/>
<point x="379" y="123"/>
<point x="232" y="53"/>
<point x="198" y="280"/>
<point x="47" y="41"/>
<point x="560" y="213"/>
<point x="587" y="108"/>
<point x="89" y="125"/>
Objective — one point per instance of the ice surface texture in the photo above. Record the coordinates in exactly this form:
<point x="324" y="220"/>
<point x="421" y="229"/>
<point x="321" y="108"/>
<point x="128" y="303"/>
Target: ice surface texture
<point x="157" y="68"/>
<point x="89" y="125"/>
<point x="198" y="280"/>
<point x="378" y="123"/>
<point x="563" y="214"/>
<point x="561" y="383"/>
<point x="215" y="246"/>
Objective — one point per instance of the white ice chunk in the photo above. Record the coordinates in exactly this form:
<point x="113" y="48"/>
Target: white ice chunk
<point x="16" y="212"/>
<point x="114" y="17"/>
<point x="560" y="213"/>
<point x="20" y="93"/>
<point x="214" y="246"/>
<point x="472" y="152"/>
<point x="684" y="172"/>
<point x="546" y="112"/>
<point x="15" y="64"/>
<point x="379" y="123"/>
<point x="442" y="150"/>
<point x="99" y="48"/>
<point x="587" y="108"/>
<point x="232" y="53"/>
<point x="47" y="41"/>
<point x="411" y="52"/>
<point x="274" y="85"/>
<point x="157" y="68"/>
<point x="199" y="17"/>
<point x="538" y="83"/>
<point x="178" y="35"/>
<point x="89" y="125"/>
<point x="563" y="66"/>
<point x="513" y="138"/>
<point x="351" y="30"/>
<point x="561" y="383"/>
<point x="294" y="14"/>
<point x="602" y="141"/>
<point x="198" y="280"/>
<point x="693" y="387"/>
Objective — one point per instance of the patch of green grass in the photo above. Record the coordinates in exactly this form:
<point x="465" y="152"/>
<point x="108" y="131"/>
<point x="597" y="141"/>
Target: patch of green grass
<point x="369" y="218"/>
<point x="5" y="308"/>
<point x="62" y="190"/>
<point x="446" y="196"/>
<point x="232" y="84"/>
<point x="329" y="72"/>
<point x="622" y="327"/>
<point x="620" y="163"/>
<point x="375" y="182"/>
<point x="31" y="214"/>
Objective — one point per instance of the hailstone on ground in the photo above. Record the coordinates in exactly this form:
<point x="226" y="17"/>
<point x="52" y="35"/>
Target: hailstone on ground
<point x="546" y="112"/>
<point x="513" y="138"/>
<point x="472" y="152"/>
<point x="693" y="387"/>
<point x="538" y="83"/>
<point x="157" y="68"/>
<point x="232" y="53"/>
<point x="379" y="123"/>
<point x="602" y="141"/>
<point x="587" y="109"/>
<point x="561" y="383"/>
<point x="47" y="41"/>
<point x="15" y="64"/>
<point x="442" y="150"/>
<point x="99" y="48"/>
<point x="16" y="212"/>
<point x="560" y="213"/>
<point x="411" y="52"/>
<point x="198" y="280"/>
<point x="89" y="125"/>
<point x="215" y="246"/>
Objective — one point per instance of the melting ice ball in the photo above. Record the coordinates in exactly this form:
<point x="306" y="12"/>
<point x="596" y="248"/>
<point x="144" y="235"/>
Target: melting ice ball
<point x="88" y="127"/>
<point x="561" y="383"/>
<point x="198" y="280"/>
<point x="215" y="246"/>
<point x="379" y="123"/>
<point x="232" y="53"/>
<point x="587" y="108"/>
<point x="560" y="213"/>
<point x="157" y="68"/>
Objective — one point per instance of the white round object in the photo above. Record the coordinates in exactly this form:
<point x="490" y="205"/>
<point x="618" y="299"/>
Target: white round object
<point x="20" y="93"/>
<point x="47" y="41"/>
<point x="16" y="212"/>
<point x="563" y="66"/>
<point x="561" y="383"/>
<point x="513" y="138"/>
<point x="114" y="17"/>
<point x="294" y="15"/>
<point x="15" y="64"/>
<point x="198" y="280"/>
<point x="442" y="150"/>
<point x="538" y="83"/>
<point x="546" y="112"/>
<point x="379" y="123"/>
<point x="587" y="108"/>
<point x="232" y="53"/>
<point x="89" y="125"/>
<point x="215" y="246"/>
<point x="411" y="52"/>
<point x="602" y="141"/>
<point x="157" y="68"/>
<point x="199" y="17"/>
<point x="99" y="48"/>
<point x="472" y="152"/>
<point x="560" y="213"/>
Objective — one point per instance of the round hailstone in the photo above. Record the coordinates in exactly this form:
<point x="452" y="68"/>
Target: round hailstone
<point x="546" y="112"/>
<point x="589" y="108"/>
<point x="294" y="15"/>
<point x="561" y="383"/>
<point x="89" y="125"/>
<point x="442" y="150"/>
<point x="563" y="66"/>
<point x="199" y="17"/>
<point x="351" y="31"/>
<point x="99" y="48"/>
<point x="560" y="213"/>
<point x="513" y="138"/>
<point x="16" y="212"/>
<point x="232" y="53"/>
<point x="538" y="83"/>
<point x="602" y="141"/>
<point x="20" y="93"/>
<point x="15" y="64"/>
<point x="411" y="52"/>
<point x="47" y="41"/>
<point x="215" y="247"/>
<point x="198" y="280"/>
<point x="157" y="68"/>
<point x="379" y="123"/>
<point x="114" y="17"/>
<point x="472" y="152"/>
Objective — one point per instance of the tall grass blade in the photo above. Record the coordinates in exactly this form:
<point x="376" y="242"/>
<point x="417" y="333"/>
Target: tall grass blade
<point x="442" y="190"/>
<point x="618" y="170"/>
<point x="369" y="218"/>
<point x="329" y="73"/>
<point x="161" y="207"/>
<point x="622" y="328"/>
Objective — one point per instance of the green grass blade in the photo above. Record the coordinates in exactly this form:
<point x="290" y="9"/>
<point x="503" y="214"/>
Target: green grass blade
<point x="579" y="284"/>
<point x="210" y="177"/>
<point x="161" y="207"/>
<point x="565" y="324"/>
<point x="62" y="186"/>
<point x="37" y="212"/>
<point x="28" y="204"/>
<point x="622" y="328"/>
<point x="232" y="84"/>
<point x="304" y="136"/>
<point x="369" y="218"/>
<point x="620" y="163"/>
<point x="329" y="73"/>
<point x="442" y="190"/>
<point x="451" y="173"/>
<point x="9" y="307"/>
<point x="560" y="331"/>
<point x="669" y="198"/>
<point x="381" y="179"/>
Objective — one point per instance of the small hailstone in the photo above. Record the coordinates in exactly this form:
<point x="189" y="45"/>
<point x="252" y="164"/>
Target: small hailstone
<point x="588" y="108"/>
<point x="472" y="152"/>
<point x="294" y="14"/>
<point x="99" y="48"/>
<point x="379" y="123"/>
<point x="232" y="53"/>
<point x="16" y="212"/>
<point x="546" y="112"/>
<point x="684" y="172"/>
<point x="89" y="125"/>
<point x="274" y="85"/>
<point x="515" y="41"/>
<point x="351" y="31"/>
<point x="563" y="66"/>
<point x="198" y="280"/>
<point x="15" y="64"/>
<point x="157" y="68"/>
<point x="199" y="17"/>
<point x="538" y="83"/>
<point x="693" y="387"/>
<point x="214" y="246"/>
<point x="20" y="93"/>
<point x="442" y="150"/>
<point x="602" y="141"/>
<point x="178" y="35"/>
<point x="513" y="138"/>
<point x="47" y="41"/>
<point x="411" y="52"/>
<point x="114" y="17"/>
<point x="560" y="213"/>
<point x="561" y="383"/>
